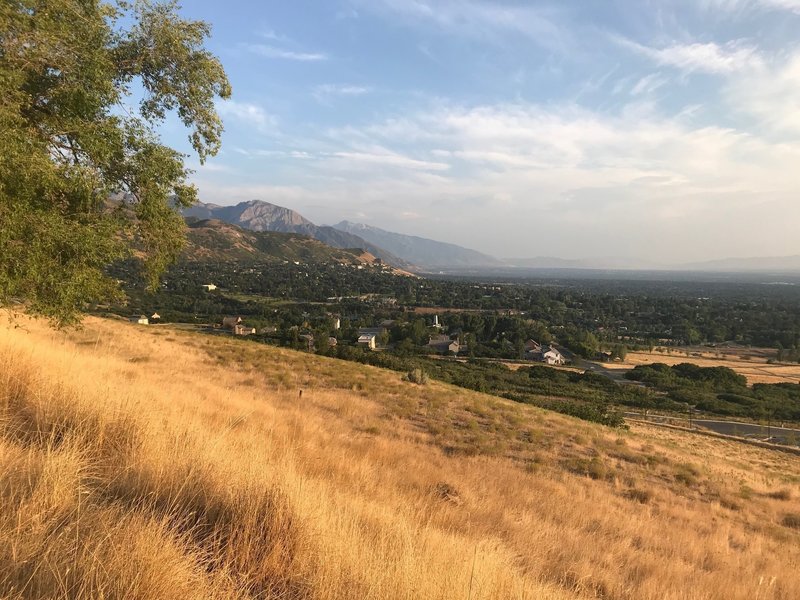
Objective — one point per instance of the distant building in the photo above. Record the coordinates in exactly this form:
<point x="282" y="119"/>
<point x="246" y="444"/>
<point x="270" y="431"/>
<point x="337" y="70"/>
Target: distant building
<point x="308" y="339"/>
<point x="155" y="317"/>
<point x="210" y="287"/>
<point x="376" y="331"/>
<point x="140" y="320"/>
<point x="532" y="346"/>
<point x="332" y="342"/>
<point x="443" y="344"/>
<point x="552" y="356"/>
<point x="337" y="323"/>
<point x="231" y="322"/>
<point x="368" y="340"/>
<point x="240" y="329"/>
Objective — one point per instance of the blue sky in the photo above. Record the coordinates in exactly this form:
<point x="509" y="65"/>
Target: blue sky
<point x="666" y="130"/>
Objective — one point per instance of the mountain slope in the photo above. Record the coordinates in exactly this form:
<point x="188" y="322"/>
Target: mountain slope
<point x="766" y="263"/>
<point x="419" y="251"/>
<point x="258" y="215"/>
<point x="215" y="240"/>
<point x="149" y="462"/>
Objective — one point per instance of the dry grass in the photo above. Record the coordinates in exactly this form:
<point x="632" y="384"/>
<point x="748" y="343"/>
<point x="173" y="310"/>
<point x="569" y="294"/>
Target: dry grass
<point x="752" y="363"/>
<point x="133" y="466"/>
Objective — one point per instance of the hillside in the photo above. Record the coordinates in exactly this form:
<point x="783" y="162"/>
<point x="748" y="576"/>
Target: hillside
<point x="422" y="252"/>
<point x="257" y="215"/>
<point x="214" y="240"/>
<point x="148" y="462"/>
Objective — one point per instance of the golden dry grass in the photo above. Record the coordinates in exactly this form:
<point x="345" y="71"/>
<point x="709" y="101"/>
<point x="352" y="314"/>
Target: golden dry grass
<point x="753" y="365"/>
<point x="151" y="463"/>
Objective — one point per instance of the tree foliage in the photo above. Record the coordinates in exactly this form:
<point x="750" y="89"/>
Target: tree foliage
<point x="83" y="86"/>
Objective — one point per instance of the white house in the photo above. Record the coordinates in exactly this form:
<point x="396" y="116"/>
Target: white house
<point x="552" y="356"/>
<point x="140" y="320"/>
<point x="209" y="287"/>
<point x="368" y="340"/>
<point x="240" y="329"/>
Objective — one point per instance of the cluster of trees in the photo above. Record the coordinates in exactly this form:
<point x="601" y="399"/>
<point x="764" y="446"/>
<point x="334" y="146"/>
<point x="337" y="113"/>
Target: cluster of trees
<point x="586" y="319"/>
<point x="720" y="391"/>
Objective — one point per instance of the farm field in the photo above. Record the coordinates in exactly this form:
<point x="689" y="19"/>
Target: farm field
<point x="750" y="362"/>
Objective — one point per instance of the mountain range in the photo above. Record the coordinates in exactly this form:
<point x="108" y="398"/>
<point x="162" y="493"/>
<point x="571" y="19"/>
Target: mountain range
<point x="413" y="253"/>
<point x="215" y="240"/>
<point x="257" y="215"/>
<point x="425" y="253"/>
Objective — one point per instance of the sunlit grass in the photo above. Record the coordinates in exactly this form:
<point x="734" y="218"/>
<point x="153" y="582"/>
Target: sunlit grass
<point x="137" y="466"/>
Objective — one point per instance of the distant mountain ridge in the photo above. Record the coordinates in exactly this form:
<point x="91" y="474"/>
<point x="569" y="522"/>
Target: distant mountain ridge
<point x="257" y="215"/>
<point x="216" y="240"/>
<point x="412" y="253"/>
<point x="762" y="263"/>
<point x="420" y="251"/>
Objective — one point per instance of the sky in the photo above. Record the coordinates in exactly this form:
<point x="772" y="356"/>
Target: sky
<point x="660" y="130"/>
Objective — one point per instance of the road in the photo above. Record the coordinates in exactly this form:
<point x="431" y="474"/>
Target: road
<point x="772" y="433"/>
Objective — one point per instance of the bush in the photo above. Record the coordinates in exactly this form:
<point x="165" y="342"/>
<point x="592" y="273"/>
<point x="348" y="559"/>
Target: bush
<point x="417" y="376"/>
<point x="640" y="496"/>
<point x="791" y="520"/>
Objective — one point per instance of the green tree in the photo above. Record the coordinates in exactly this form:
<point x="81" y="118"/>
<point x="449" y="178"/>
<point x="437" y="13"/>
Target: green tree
<point x="69" y="72"/>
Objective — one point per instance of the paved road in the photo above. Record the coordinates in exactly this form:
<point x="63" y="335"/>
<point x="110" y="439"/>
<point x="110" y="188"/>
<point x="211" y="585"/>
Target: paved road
<point x="775" y="434"/>
<point x="617" y="375"/>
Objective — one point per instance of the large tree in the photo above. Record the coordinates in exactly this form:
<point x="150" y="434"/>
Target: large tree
<point x="84" y="85"/>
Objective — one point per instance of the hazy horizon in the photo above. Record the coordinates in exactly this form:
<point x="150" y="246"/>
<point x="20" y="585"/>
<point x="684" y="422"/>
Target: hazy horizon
<point x="665" y="132"/>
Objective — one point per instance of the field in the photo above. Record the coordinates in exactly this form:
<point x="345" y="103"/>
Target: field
<point x="148" y="462"/>
<point x="750" y="362"/>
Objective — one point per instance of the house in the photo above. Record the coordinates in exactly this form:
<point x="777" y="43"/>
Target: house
<point x="240" y="329"/>
<point x="210" y="287"/>
<point x="308" y="339"/>
<point x="532" y="347"/>
<point x="552" y="356"/>
<point x="604" y="356"/>
<point x="231" y="322"/>
<point x="443" y="344"/>
<point x="140" y="320"/>
<point x="368" y="340"/>
<point x="376" y="331"/>
<point x="155" y="317"/>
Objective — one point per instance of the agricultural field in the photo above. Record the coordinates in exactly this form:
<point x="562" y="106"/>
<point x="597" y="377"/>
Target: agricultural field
<point x="750" y="362"/>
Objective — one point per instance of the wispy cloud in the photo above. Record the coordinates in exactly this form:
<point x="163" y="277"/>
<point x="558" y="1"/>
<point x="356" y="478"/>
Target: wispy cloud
<point x="648" y="84"/>
<point x="701" y="57"/>
<point x="269" y="51"/>
<point x="771" y="96"/>
<point x="479" y="18"/>
<point x="746" y="5"/>
<point x="324" y="93"/>
<point x="251" y="115"/>
<point x="389" y="159"/>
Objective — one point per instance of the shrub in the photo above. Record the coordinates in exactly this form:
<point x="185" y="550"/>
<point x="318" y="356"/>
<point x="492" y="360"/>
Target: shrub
<point x="686" y="474"/>
<point x="782" y="494"/>
<point x="417" y="376"/>
<point x="791" y="520"/>
<point x="640" y="496"/>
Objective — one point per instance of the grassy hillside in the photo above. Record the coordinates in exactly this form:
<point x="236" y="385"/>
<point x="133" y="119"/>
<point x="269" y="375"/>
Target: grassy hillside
<point x="212" y="240"/>
<point x="143" y="462"/>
